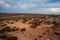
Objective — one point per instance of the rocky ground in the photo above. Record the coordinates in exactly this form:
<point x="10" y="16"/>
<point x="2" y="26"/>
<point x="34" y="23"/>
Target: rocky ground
<point x="32" y="26"/>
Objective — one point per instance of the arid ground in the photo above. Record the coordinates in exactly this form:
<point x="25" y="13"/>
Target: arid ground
<point x="30" y="26"/>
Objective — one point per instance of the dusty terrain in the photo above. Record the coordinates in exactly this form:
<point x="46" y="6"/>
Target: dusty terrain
<point x="35" y="26"/>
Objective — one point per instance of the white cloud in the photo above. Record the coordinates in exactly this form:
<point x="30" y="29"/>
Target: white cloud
<point x="53" y="5"/>
<point x="55" y="9"/>
<point x="48" y="10"/>
<point x="1" y="2"/>
<point x="27" y="5"/>
<point x="4" y="4"/>
<point x="41" y="1"/>
<point x="10" y="0"/>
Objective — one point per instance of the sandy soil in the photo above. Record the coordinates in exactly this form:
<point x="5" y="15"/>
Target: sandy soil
<point x="37" y="26"/>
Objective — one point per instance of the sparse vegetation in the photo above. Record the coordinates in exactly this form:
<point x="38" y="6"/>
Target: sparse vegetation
<point x="35" y="39"/>
<point x="4" y="31"/>
<point x="24" y="20"/>
<point x="14" y="29"/>
<point x="40" y="36"/>
<point x="1" y="19"/>
<point x="37" y="22"/>
<point x="56" y="33"/>
<point x="55" y="23"/>
<point x="3" y="25"/>
<point x="11" y="38"/>
<point x="23" y="29"/>
<point x="11" y="22"/>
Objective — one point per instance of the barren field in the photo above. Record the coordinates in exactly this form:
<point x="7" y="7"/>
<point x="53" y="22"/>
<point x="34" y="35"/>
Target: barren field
<point x="31" y="26"/>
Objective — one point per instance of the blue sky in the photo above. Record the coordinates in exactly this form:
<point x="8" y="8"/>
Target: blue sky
<point x="30" y="6"/>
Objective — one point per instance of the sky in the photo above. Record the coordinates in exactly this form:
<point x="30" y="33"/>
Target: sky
<point x="30" y="6"/>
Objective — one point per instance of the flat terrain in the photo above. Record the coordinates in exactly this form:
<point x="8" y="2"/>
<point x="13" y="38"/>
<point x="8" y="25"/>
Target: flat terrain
<point x="33" y="26"/>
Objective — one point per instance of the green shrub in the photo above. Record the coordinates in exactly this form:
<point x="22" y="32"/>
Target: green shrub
<point x="1" y="19"/>
<point x="11" y="38"/>
<point x="14" y="29"/>
<point x="6" y="29"/>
